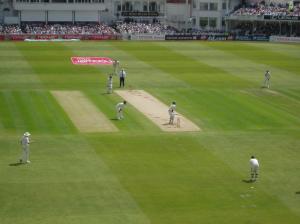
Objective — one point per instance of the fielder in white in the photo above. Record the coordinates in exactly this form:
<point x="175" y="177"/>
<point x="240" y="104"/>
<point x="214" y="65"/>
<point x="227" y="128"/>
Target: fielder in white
<point x="25" y="141"/>
<point x="267" y="79"/>
<point x="116" y="65"/>
<point x="110" y="84"/>
<point x="172" y="112"/>
<point x="254" y="166"/>
<point x="120" y="107"/>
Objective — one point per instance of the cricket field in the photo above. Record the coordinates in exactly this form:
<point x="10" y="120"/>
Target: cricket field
<point x="137" y="173"/>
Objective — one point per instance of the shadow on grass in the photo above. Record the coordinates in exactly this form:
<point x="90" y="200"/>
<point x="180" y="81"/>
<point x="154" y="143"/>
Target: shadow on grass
<point x="16" y="164"/>
<point x="248" y="181"/>
<point x="114" y="119"/>
<point x="297" y="192"/>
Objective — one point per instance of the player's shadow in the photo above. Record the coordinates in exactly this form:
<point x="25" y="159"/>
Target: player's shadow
<point x="16" y="164"/>
<point x="248" y="181"/>
<point x="114" y="119"/>
<point x="297" y="192"/>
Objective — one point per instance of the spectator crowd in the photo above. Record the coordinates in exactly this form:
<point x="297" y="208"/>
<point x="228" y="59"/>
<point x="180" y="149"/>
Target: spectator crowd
<point x="57" y="29"/>
<point x="10" y="29"/>
<point x="102" y="29"/>
<point x="142" y="28"/>
<point x="271" y="10"/>
<point x="62" y="29"/>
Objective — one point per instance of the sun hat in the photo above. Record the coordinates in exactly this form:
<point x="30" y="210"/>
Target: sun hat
<point x="27" y="134"/>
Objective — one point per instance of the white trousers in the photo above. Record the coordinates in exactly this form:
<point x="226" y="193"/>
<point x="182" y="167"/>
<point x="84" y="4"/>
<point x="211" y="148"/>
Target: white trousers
<point x="267" y="83"/>
<point x="25" y="154"/>
<point x="172" y="117"/>
<point x="109" y="89"/>
<point x="120" y="114"/>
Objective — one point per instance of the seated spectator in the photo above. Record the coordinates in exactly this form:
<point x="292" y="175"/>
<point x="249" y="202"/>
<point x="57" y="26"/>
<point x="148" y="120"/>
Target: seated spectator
<point x="272" y="10"/>
<point x="143" y="28"/>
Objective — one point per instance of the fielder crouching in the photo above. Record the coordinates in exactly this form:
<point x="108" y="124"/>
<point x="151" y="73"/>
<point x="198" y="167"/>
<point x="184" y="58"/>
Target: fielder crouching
<point x="120" y="106"/>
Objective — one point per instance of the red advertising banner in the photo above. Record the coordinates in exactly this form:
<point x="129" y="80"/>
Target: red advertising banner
<point x="98" y="37"/>
<point x="71" y="36"/>
<point x="91" y="61"/>
<point x="18" y="37"/>
<point x="45" y="37"/>
<point x="1" y="37"/>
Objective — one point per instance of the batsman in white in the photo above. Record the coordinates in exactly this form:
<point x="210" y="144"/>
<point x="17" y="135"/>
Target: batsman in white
<point x="172" y="116"/>
<point x="25" y="141"/>
<point x="120" y="107"/>
<point x="172" y="112"/>
<point x="254" y="166"/>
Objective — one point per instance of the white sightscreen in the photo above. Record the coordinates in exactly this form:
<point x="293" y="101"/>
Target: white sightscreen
<point x="60" y="16"/>
<point x="33" y="16"/>
<point x="85" y="16"/>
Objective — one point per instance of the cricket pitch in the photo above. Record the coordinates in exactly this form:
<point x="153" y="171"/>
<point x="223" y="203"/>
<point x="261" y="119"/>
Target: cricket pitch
<point x="84" y="114"/>
<point x="156" y="111"/>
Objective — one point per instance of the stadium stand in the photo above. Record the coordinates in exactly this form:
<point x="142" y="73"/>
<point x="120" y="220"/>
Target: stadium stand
<point x="142" y="28"/>
<point x="272" y="9"/>
<point x="69" y="29"/>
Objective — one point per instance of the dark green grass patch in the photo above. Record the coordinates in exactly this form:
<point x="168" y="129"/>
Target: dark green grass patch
<point x="179" y="66"/>
<point x="141" y="175"/>
<point x="261" y="55"/>
<point x="133" y="120"/>
<point x="176" y="180"/>
<point x="36" y="111"/>
<point x="52" y="64"/>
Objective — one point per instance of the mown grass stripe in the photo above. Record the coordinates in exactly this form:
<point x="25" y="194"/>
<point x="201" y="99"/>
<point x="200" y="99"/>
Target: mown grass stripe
<point x="279" y="48"/>
<point x="85" y="115"/>
<point x="262" y="56"/>
<point x="180" y="180"/>
<point x="65" y="178"/>
<point x="141" y="175"/>
<point x="267" y="112"/>
<point x="181" y="67"/>
<point x="292" y="93"/>
<point x="48" y="115"/>
<point x="133" y="122"/>
<point x="16" y="114"/>
<point x="140" y="73"/>
<point x="288" y="106"/>
<point x="52" y="64"/>
<point x="14" y="70"/>
<point x="5" y="116"/>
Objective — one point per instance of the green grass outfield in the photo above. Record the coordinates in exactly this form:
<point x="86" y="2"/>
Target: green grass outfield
<point x="141" y="175"/>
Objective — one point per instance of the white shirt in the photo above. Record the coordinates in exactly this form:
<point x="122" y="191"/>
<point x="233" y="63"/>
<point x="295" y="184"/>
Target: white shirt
<point x="109" y="81"/>
<point x="268" y="75"/>
<point x="120" y="106"/>
<point x="172" y="108"/>
<point x="254" y="162"/>
<point x="25" y="141"/>
<point x="122" y="73"/>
